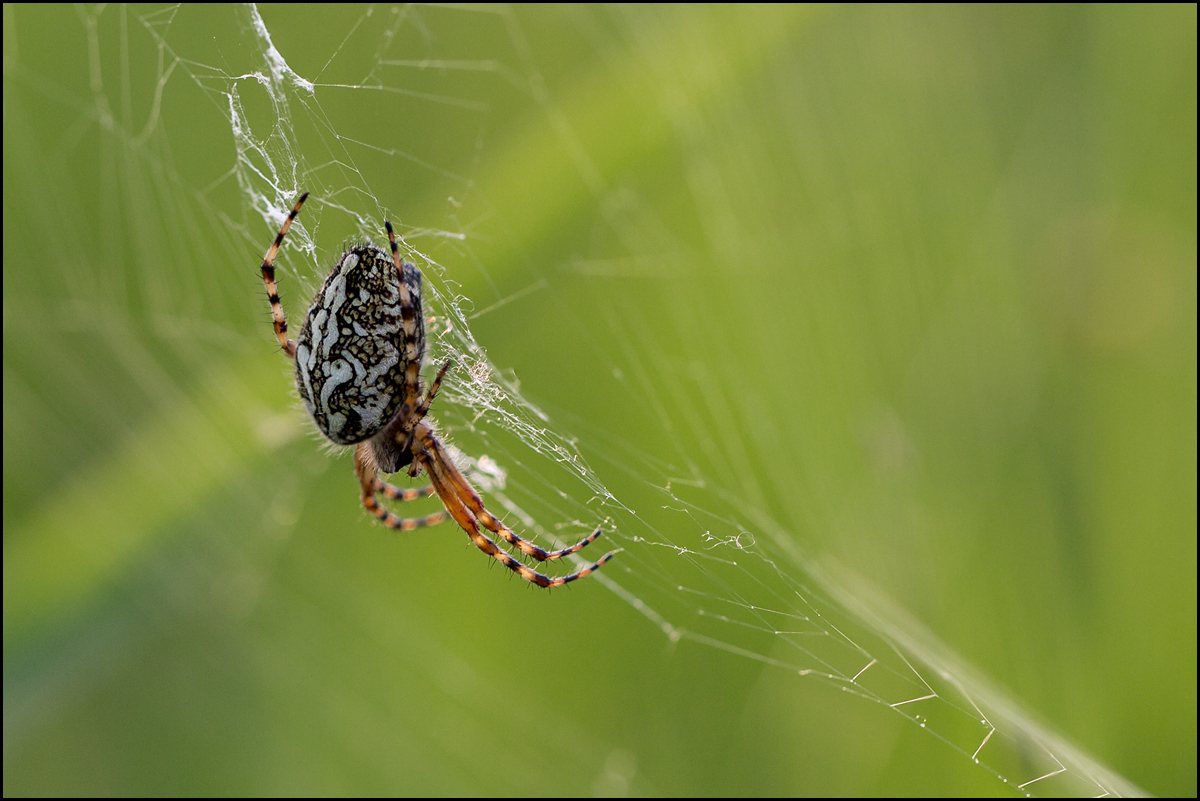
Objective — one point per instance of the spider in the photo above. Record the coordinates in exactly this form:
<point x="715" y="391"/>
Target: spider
<point x="358" y="369"/>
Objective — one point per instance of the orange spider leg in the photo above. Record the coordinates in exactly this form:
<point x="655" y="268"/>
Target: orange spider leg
<point x="447" y="480"/>
<point x="268" y="275"/>
<point x="409" y="323"/>
<point x="423" y="406"/>
<point x="473" y="502"/>
<point x="392" y="492"/>
<point x="370" y="485"/>
<point x="417" y="415"/>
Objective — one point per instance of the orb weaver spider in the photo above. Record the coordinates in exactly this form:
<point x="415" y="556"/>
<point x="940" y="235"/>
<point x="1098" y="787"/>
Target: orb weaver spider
<point x="358" y="370"/>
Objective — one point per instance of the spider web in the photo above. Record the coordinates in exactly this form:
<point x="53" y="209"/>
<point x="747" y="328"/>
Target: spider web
<point x="706" y="560"/>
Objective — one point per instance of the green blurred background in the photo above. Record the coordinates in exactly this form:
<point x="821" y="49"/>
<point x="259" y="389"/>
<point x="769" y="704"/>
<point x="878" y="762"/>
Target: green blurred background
<point x="907" y="291"/>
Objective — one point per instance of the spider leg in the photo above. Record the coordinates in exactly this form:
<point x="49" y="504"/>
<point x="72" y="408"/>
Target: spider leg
<point x="441" y="470"/>
<point x="398" y="523"/>
<point x="394" y="493"/>
<point x="370" y="485"/>
<point x="268" y="275"/>
<point x="423" y="407"/>
<point x="409" y="324"/>
<point x="474" y="503"/>
<point x="525" y="546"/>
<point x="419" y="414"/>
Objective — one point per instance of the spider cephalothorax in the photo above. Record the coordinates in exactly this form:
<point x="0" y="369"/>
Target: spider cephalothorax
<point x="358" y="370"/>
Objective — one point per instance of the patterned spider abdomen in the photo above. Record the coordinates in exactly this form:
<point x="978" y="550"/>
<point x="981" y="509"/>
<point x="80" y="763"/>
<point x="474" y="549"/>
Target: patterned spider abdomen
<point x="350" y="355"/>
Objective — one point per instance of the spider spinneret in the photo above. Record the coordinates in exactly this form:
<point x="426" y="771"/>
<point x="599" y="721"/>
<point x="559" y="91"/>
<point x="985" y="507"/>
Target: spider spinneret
<point x="358" y="370"/>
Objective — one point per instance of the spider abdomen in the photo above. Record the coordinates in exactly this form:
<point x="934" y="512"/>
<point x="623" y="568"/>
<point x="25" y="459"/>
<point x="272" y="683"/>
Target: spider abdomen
<point x="350" y="354"/>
